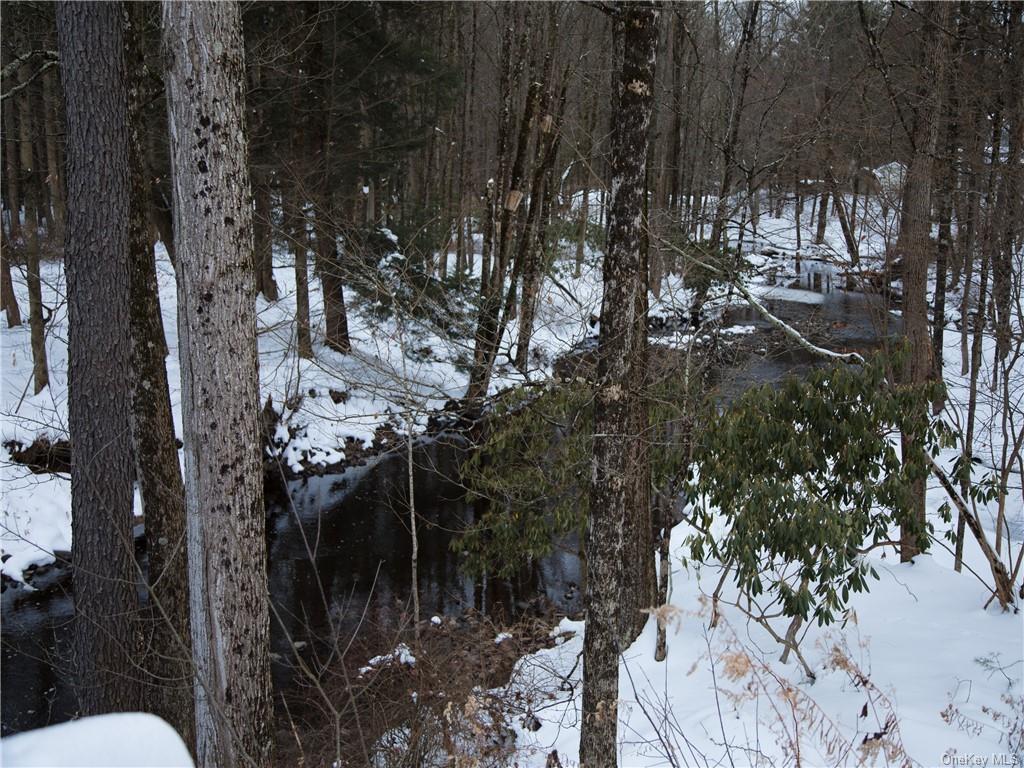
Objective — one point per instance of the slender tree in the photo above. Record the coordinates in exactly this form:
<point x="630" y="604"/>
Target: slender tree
<point x="32" y="189"/>
<point x="615" y="513"/>
<point x="205" y="82"/>
<point x="168" y="639"/>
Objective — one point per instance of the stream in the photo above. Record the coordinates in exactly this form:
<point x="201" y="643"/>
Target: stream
<point x="340" y="546"/>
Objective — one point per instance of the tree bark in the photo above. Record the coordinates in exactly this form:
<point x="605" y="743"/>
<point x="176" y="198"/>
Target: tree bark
<point x="819" y="234"/>
<point x="741" y="69"/>
<point x="615" y="514"/>
<point x="205" y="81"/>
<point x="8" y="301"/>
<point x="331" y="270"/>
<point x="169" y="643"/>
<point x="295" y="231"/>
<point x="96" y="264"/>
<point x="914" y="246"/>
<point x="13" y="189"/>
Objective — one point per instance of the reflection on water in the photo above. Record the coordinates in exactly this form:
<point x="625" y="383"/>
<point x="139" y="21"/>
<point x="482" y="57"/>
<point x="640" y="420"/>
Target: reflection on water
<point x="340" y="560"/>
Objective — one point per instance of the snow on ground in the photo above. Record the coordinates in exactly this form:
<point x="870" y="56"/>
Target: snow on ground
<point x="324" y="401"/>
<point x="920" y="645"/>
<point x="127" y="740"/>
<point x="917" y="637"/>
<point x="920" y="637"/>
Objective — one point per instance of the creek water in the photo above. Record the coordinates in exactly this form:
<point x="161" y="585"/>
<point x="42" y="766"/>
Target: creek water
<point x="340" y="546"/>
<point x="340" y="555"/>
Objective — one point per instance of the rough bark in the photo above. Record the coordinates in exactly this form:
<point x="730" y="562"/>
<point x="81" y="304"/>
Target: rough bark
<point x="914" y="247"/>
<point x="168" y="634"/>
<point x="205" y="81"/>
<point x="615" y="514"/>
<point x="105" y="641"/>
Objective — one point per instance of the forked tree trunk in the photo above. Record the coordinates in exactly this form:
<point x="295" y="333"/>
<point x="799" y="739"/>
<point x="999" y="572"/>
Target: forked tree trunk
<point x="96" y="264"/>
<point x="169" y="642"/>
<point x="614" y="597"/>
<point x="205" y="82"/>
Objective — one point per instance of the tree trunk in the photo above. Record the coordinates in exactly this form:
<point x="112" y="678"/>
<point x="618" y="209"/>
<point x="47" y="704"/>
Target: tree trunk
<point x="295" y="231"/>
<point x="508" y="202"/>
<point x="58" y="208"/>
<point x="329" y="264"/>
<point x="819" y="235"/>
<point x="105" y="641"/>
<point x="616" y="515"/>
<point x="741" y="69"/>
<point x="169" y="641"/>
<point x="914" y="246"/>
<point x="32" y="191"/>
<point x="263" y="242"/>
<point x="13" y="190"/>
<point x="531" y="252"/>
<point x="205" y="81"/>
<point x="8" y="301"/>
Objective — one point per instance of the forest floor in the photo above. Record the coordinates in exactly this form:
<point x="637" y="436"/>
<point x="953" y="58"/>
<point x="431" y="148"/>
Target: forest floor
<point x="920" y="663"/>
<point x="921" y="671"/>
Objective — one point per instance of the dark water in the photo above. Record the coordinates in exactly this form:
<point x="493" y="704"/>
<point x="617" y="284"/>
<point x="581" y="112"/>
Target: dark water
<point x="830" y="316"/>
<point x="340" y="546"/>
<point x="340" y="561"/>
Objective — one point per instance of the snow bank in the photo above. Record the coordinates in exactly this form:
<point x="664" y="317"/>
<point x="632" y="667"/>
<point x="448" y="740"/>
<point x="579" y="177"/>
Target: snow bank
<point x="129" y="740"/>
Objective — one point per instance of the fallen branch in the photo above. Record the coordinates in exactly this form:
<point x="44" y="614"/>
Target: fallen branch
<point x="793" y="333"/>
<point x="786" y="328"/>
<point x="1003" y="583"/>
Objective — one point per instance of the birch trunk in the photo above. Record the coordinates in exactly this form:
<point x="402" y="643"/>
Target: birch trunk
<point x="205" y="81"/>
